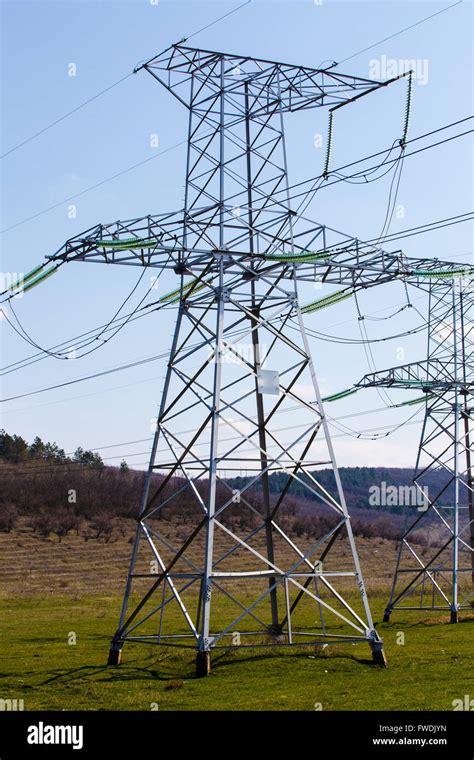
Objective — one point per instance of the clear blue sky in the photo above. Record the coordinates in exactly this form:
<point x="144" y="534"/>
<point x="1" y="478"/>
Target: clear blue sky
<point x="105" y="40"/>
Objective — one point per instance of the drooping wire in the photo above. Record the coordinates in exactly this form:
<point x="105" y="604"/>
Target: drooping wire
<point x="105" y="328"/>
<point x="359" y="435"/>
<point x="321" y="181"/>
<point x="70" y="344"/>
<point x="368" y="351"/>
<point x="392" y="198"/>
<point x="23" y="333"/>
<point x="356" y="342"/>
<point x="360" y="178"/>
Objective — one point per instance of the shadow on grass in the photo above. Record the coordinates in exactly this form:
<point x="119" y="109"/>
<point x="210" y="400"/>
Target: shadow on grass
<point x="122" y="673"/>
<point x="433" y="622"/>
<point x="225" y="659"/>
<point x="161" y="672"/>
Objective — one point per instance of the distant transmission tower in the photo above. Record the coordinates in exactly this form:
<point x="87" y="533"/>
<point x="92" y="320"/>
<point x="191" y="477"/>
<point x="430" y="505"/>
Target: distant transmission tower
<point x="241" y="390"/>
<point x="440" y="577"/>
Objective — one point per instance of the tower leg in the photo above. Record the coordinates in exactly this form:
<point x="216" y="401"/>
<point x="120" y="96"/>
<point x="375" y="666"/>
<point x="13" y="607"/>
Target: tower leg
<point x="454" y="616"/>
<point x="386" y="615"/>
<point x="203" y="656"/>
<point x="115" y="652"/>
<point x="275" y="627"/>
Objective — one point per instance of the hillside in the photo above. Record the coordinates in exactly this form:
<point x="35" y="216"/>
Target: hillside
<point x="361" y="486"/>
<point x="58" y="494"/>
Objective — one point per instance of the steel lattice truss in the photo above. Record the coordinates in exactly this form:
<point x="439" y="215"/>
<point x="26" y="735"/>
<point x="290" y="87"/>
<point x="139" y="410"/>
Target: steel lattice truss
<point x="442" y="577"/>
<point x="196" y="77"/>
<point x="237" y="198"/>
<point x="319" y="252"/>
<point x="240" y="249"/>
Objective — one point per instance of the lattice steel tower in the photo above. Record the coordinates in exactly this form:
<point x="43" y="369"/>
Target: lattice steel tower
<point x="236" y="200"/>
<point x="241" y="391"/>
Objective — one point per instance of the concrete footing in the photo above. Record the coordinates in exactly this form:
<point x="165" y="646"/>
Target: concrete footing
<point x="115" y="656"/>
<point x="454" y="616"/>
<point x="275" y="629"/>
<point x="203" y="664"/>
<point x="378" y="657"/>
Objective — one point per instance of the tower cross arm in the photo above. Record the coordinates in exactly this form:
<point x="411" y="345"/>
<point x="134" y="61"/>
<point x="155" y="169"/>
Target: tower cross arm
<point x="157" y="242"/>
<point x="431" y="375"/>
<point x="295" y="87"/>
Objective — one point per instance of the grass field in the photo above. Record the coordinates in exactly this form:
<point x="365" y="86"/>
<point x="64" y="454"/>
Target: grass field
<point x="38" y="665"/>
<point x="51" y="589"/>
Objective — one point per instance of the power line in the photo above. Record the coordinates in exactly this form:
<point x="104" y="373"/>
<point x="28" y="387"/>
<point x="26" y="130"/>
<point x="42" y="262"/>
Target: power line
<point x="57" y="466"/>
<point x="457" y="255"/>
<point x="386" y="225"/>
<point x="183" y="142"/>
<point x="393" y="160"/>
<point x="27" y="361"/>
<point x="93" y="187"/>
<point x="396" y="34"/>
<point x="421" y="228"/>
<point x="355" y="342"/>
<point x="365" y="434"/>
<point x="72" y="343"/>
<point x="137" y="363"/>
<point x="370" y="314"/>
<point x="105" y="90"/>
<point x="147" y="360"/>
<point x="125" y="320"/>
<point x="66" y="115"/>
<point x="208" y="26"/>
<point x="375" y="155"/>
<point x="85" y="395"/>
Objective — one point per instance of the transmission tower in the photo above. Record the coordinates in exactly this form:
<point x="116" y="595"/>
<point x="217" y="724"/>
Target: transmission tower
<point x="240" y="379"/>
<point x="441" y="577"/>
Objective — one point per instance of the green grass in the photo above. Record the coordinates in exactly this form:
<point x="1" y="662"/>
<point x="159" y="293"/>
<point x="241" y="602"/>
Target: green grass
<point x="37" y="664"/>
